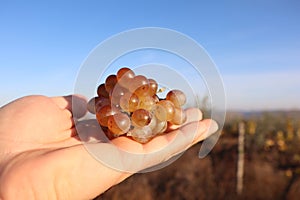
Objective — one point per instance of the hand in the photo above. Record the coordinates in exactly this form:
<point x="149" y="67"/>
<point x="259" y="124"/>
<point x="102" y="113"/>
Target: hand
<point x="42" y="157"/>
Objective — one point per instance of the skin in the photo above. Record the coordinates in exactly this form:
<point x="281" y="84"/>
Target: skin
<point x="42" y="157"/>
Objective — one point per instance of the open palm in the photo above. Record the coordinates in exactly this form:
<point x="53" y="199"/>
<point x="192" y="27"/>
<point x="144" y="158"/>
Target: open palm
<point x="42" y="157"/>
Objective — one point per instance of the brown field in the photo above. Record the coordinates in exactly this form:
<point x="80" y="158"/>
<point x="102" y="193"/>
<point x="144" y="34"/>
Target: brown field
<point x="271" y="165"/>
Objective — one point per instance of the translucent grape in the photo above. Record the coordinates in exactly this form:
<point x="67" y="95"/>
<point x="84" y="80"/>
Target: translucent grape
<point x="110" y="82"/>
<point x="116" y="94"/>
<point x="101" y="91"/>
<point x="141" y="117"/>
<point x="103" y="113"/>
<point x="139" y="85"/>
<point x="119" y="124"/>
<point x="152" y="123"/>
<point x="179" y="117"/>
<point x="156" y="98"/>
<point x="129" y="102"/>
<point x="152" y="87"/>
<point x="125" y="76"/>
<point x="160" y="127"/>
<point x="177" y="97"/>
<point x="95" y="103"/>
<point x="164" y="110"/>
<point x="91" y="105"/>
<point x="101" y="101"/>
<point x="110" y="135"/>
<point x="146" y="102"/>
<point x="141" y="135"/>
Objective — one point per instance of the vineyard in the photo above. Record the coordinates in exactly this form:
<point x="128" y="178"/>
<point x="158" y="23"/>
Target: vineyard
<point x="271" y="164"/>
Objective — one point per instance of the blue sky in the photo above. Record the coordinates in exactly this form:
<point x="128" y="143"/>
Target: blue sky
<point x="255" y="44"/>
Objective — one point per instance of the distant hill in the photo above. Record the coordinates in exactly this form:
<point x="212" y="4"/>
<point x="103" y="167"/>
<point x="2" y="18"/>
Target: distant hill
<point x="245" y="115"/>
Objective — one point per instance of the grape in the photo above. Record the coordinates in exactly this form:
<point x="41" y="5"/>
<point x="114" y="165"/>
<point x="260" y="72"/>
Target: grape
<point x="139" y="85"/>
<point x="146" y="102"/>
<point x="160" y="112"/>
<point x="103" y="113"/>
<point x="101" y="91"/>
<point x="177" y="97"/>
<point x="161" y="126"/>
<point x="152" y="123"/>
<point x="145" y="133"/>
<point x="164" y="110"/>
<point x="95" y="103"/>
<point x="115" y="94"/>
<point x="179" y="117"/>
<point x="129" y="102"/>
<point x="119" y="124"/>
<point x="110" y="135"/>
<point x="141" y="117"/>
<point x="91" y="105"/>
<point x="101" y="101"/>
<point x="125" y="76"/>
<point x="110" y="82"/>
<point x="141" y="135"/>
<point x="156" y="98"/>
<point x="152" y="87"/>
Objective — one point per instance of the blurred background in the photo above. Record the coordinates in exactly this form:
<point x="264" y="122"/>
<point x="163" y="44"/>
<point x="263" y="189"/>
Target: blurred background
<point x="254" y="44"/>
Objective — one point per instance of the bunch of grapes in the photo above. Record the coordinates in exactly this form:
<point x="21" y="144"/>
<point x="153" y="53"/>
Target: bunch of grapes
<point x="127" y="104"/>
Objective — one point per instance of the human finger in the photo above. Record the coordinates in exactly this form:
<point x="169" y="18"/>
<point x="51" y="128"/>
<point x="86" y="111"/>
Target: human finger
<point x="178" y="141"/>
<point x="75" y="104"/>
<point x="187" y="135"/>
<point x="159" y="149"/>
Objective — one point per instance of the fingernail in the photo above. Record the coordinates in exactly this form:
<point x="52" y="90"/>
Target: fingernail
<point x="213" y="127"/>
